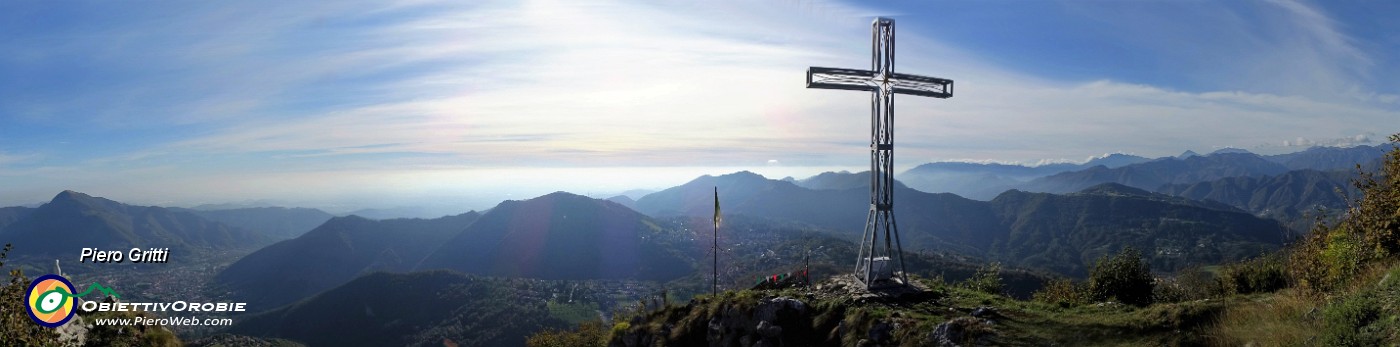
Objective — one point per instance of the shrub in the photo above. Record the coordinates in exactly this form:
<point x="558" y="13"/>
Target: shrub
<point x="1377" y="213"/>
<point x="589" y="333"/>
<point x="1061" y="292"/>
<point x="618" y="330"/>
<point x="1259" y="275"/>
<point x="1307" y="266"/>
<point x="16" y="329"/>
<point x="1200" y="284"/>
<point x="1346" y="322"/>
<point x="1170" y="291"/>
<point x="987" y="279"/>
<point x="1125" y="277"/>
<point x="1329" y="258"/>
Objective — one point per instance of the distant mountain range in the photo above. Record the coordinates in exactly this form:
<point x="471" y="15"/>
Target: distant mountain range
<point x="838" y="181"/>
<point x="1267" y="186"/>
<point x="1332" y="158"/>
<point x="1153" y="174"/>
<point x="278" y="222"/>
<point x="85" y="221"/>
<point x="985" y="181"/>
<point x="1063" y="233"/>
<point x="396" y="212"/>
<point x="555" y="236"/>
<point x="624" y="200"/>
<point x="840" y="211"/>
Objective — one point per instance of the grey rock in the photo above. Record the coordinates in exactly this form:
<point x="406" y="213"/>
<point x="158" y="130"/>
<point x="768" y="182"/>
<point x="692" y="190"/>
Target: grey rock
<point x="716" y="330"/>
<point x="947" y="335"/>
<point x="769" y="330"/>
<point x="954" y="331"/>
<point x="882" y="332"/>
<point x="768" y="309"/>
<point x="985" y="312"/>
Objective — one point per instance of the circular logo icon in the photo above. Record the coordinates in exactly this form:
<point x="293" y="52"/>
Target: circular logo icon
<point x="50" y="300"/>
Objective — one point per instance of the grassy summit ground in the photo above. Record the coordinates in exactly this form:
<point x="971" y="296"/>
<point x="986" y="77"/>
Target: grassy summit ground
<point x="833" y="317"/>
<point x="961" y="315"/>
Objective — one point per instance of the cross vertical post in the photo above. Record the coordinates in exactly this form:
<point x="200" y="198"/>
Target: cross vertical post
<point x="875" y="264"/>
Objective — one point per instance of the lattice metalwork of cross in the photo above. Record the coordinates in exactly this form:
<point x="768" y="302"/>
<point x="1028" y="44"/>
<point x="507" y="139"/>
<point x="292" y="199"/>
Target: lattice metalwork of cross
<point x="875" y="264"/>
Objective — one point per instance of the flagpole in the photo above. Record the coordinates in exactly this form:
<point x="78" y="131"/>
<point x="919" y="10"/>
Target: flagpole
<point x="714" y="282"/>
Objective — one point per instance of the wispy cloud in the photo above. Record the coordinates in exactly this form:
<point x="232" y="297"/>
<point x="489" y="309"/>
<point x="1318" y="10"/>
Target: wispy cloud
<point x="7" y="158"/>
<point x="596" y="80"/>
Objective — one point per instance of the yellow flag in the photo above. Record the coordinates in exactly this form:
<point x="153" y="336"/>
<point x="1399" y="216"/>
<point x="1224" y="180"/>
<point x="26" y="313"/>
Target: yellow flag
<point x="717" y="217"/>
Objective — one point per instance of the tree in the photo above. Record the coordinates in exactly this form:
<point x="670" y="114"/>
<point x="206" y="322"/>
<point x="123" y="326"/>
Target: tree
<point x="987" y="279"/>
<point x="1376" y="215"/>
<point x="1368" y="232"/>
<point x="1125" y="277"/>
<point x="16" y="329"/>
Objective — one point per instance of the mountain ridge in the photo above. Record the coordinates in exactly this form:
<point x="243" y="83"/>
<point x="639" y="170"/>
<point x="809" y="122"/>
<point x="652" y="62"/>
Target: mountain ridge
<point x="561" y="236"/>
<point x="333" y="253"/>
<point x="999" y="228"/>
<point x="982" y="181"/>
<point x="107" y="224"/>
<point x="278" y="222"/>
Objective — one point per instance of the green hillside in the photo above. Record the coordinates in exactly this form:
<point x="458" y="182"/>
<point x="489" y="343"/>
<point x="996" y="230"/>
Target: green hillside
<point x="333" y="254"/>
<point x="946" y="313"/>
<point x="1295" y="198"/>
<point x="11" y="214"/>
<point x="563" y="236"/>
<point x="1065" y="233"/>
<point x="414" y="309"/>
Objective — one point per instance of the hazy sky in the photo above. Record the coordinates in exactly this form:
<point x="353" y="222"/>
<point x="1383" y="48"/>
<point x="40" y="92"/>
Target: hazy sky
<point x="347" y="104"/>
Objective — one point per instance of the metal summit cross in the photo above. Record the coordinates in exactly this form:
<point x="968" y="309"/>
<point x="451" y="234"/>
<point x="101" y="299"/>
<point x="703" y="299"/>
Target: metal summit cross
<point x="874" y="265"/>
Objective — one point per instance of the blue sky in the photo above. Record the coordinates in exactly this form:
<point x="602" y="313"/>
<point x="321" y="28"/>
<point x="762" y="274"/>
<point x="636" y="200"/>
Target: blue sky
<point x="345" y="105"/>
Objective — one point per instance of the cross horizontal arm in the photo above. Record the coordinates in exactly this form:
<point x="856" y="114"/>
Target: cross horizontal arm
<point x="866" y="80"/>
<point x="922" y="86"/>
<point x="835" y="78"/>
